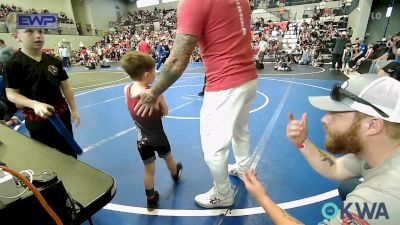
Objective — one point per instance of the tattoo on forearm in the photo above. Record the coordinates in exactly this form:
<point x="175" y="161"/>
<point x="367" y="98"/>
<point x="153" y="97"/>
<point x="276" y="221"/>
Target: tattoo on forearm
<point x="290" y="217"/>
<point x="327" y="158"/>
<point x="184" y="45"/>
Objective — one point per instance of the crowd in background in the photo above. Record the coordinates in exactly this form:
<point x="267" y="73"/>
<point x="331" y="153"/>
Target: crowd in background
<point x="127" y="37"/>
<point x="6" y="9"/>
<point x="323" y="39"/>
<point x="319" y="36"/>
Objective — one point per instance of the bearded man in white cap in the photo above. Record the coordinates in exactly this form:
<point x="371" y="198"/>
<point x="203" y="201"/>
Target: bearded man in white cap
<point x="362" y="123"/>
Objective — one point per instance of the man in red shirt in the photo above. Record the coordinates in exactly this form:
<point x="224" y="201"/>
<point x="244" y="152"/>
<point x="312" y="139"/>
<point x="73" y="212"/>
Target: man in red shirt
<point x="222" y="31"/>
<point x="143" y="46"/>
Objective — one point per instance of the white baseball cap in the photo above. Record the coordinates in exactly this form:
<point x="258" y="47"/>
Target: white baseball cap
<point x="370" y="94"/>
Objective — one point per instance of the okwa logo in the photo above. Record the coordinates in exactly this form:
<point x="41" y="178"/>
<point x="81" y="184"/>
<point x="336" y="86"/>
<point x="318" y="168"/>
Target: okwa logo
<point x="355" y="211"/>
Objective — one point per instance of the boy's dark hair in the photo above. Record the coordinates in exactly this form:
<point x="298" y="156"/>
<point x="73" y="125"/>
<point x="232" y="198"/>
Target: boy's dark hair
<point x="348" y="45"/>
<point x="136" y="63"/>
<point x="2" y="42"/>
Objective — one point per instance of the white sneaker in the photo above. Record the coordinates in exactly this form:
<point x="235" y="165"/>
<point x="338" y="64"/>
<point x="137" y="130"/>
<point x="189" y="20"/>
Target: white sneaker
<point x="212" y="199"/>
<point x="233" y="170"/>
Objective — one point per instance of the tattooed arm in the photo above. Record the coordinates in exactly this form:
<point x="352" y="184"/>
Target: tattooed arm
<point x="323" y="162"/>
<point x="176" y="63"/>
<point x="327" y="164"/>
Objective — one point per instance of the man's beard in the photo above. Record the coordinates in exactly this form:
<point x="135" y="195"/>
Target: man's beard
<point x="344" y="142"/>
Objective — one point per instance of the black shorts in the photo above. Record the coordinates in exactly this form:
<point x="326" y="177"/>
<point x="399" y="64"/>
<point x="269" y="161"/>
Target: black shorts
<point x="147" y="152"/>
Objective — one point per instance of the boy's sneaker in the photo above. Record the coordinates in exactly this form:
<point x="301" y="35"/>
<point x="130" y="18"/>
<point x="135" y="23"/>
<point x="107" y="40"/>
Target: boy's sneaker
<point x="152" y="201"/>
<point x="212" y="199"/>
<point x="233" y="170"/>
<point x="178" y="174"/>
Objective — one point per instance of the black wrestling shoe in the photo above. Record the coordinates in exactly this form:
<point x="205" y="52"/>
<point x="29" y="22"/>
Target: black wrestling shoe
<point x="152" y="201"/>
<point x="178" y="174"/>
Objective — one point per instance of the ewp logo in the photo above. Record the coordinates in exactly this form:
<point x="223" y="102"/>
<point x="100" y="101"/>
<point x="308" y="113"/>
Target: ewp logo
<point x="37" y="21"/>
<point x="359" y="211"/>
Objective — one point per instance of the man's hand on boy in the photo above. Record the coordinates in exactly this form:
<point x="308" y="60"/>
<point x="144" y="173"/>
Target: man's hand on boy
<point x="147" y="103"/>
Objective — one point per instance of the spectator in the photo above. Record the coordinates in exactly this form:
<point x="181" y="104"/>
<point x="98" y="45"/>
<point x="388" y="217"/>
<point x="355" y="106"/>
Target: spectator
<point x="363" y="123"/>
<point x="143" y="46"/>
<point x="390" y="69"/>
<point x="8" y="108"/>
<point x="349" y="32"/>
<point x="65" y="56"/>
<point x="5" y="54"/>
<point x="386" y="58"/>
<point x="105" y="63"/>
<point x="338" y="49"/>
<point x="347" y="54"/>
<point x="161" y="54"/>
<point x="361" y="53"/>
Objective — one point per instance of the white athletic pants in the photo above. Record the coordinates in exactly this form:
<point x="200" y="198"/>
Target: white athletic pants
<point x="224" y="119"/>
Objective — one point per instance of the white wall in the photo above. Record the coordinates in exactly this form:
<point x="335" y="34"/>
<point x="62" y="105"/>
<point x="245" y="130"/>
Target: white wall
<point x="377" y="22"/>
<point x="98" y="13"/>
<point x="79" y="8"/>
<point x="51" y="41"/>
<point x="132" y="7"/>
<point x="104" y="11"/>
<point x="54" y="6"/>
<point x="358" y="19"/>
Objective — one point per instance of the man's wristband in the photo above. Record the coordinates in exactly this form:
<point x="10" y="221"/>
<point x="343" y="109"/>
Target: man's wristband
<point x="302" y="145"/>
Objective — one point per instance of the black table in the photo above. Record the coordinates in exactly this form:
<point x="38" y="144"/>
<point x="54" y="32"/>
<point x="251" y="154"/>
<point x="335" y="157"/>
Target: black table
<point x="89" y="186"/>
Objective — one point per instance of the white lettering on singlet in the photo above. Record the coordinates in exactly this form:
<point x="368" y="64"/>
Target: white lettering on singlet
<point x="239" y="7"/>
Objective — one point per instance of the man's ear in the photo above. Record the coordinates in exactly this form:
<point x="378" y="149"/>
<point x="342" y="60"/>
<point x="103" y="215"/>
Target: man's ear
<point x="375" y="125"/>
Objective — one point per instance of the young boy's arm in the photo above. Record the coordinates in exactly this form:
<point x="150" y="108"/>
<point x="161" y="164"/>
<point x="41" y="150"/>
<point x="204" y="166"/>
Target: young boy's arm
<point x="41" y="109"/>
<point x="69" y="95"/>
<point x="163" y="106"/>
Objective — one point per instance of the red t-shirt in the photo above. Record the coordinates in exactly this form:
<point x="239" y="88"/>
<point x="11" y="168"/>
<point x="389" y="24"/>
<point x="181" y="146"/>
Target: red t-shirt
<point x="144" y="47"/>
<point x="223" y="28"/>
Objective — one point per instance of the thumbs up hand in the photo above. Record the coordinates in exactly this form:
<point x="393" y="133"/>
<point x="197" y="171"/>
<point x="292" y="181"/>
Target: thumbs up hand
<point x="297" y="130"/>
